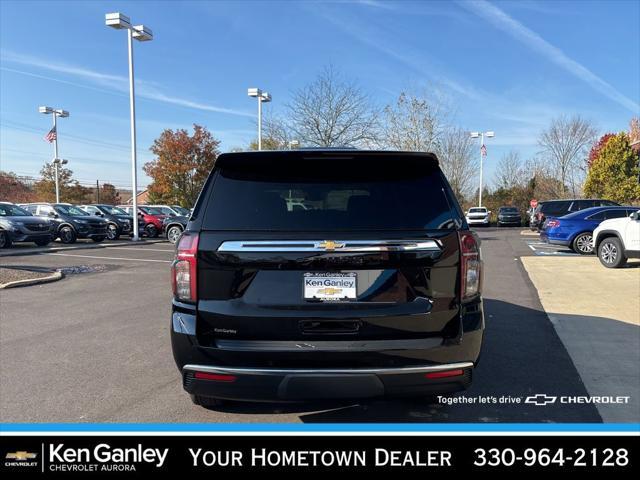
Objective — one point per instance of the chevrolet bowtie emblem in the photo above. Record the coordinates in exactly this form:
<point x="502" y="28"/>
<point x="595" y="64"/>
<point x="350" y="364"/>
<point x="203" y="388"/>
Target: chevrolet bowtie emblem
<point x="21" y="455"/>
<point x="330" y="245"/>
<point x="540" y="399"/>
<point x="330" y="291"/>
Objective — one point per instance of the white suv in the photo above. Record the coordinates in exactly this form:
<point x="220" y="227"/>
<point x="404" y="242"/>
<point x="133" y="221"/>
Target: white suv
<point x="478" y="216"/>
<point x="618" y="239"/>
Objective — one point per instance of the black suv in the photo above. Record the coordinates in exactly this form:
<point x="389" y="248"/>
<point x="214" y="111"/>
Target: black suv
<point x="119" y="222"/>
<point x="369" y="288"/>
<point x="18" y="225"/>
<point x="559" y="208"/>
<point x="509" y="216"/>
<point x="72" y="222"/>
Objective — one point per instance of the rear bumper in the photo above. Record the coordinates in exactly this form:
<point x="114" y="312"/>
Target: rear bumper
<point x="312" y="384"/>
<point x="553" y="241"/>
<point x="275" y="371"/>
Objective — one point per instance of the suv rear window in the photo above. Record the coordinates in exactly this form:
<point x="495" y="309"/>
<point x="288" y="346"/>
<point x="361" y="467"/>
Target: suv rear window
<point x="324" y="195"/>
<point x="554" y="208"/>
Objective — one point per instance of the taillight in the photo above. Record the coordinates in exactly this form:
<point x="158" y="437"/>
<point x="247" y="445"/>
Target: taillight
<point x="184" y="269"/>
<point x="553" y="223"/>
<point x="470" y="266"/>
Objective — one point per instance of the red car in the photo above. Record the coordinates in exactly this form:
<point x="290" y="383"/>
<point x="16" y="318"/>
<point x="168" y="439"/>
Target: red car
<point x="152" y="218"/>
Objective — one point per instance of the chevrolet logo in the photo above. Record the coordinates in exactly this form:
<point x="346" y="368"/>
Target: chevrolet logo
<point x="329" y="245"/>
<point x="330" y="291"/>
<point x="540" y="399"/>
<point x="20" y="455"/>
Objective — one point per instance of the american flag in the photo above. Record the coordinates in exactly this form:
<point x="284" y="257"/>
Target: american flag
<point x="483" y="150"/>
<point x="51" y="136"/>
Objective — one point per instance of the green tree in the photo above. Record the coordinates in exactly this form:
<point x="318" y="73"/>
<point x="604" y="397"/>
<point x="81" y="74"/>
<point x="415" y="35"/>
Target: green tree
<point x="181" y="166"/>
<point x="614" y="173"/>
<point x="70" y="190"/>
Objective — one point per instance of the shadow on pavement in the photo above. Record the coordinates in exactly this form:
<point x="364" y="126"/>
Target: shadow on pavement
<point x="522" y="356"/>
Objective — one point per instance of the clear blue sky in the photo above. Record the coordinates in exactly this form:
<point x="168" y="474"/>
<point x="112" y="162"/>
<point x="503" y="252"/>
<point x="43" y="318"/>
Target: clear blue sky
<point x="508" y="66"/>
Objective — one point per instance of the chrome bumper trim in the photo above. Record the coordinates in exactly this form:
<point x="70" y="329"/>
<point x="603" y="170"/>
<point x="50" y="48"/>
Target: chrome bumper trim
<point x="322" y="371"/>
<point x="359" y="246"/>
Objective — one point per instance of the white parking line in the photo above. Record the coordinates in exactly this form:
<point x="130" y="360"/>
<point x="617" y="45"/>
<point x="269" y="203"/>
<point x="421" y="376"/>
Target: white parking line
<point x="108" y="258"/>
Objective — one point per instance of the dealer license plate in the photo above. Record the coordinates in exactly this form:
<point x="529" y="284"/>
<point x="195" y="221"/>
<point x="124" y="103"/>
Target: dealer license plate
<point x="329" y="287"/>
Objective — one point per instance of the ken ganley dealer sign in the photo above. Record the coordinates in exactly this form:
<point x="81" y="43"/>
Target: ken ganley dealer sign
<point x="102" y="458"/>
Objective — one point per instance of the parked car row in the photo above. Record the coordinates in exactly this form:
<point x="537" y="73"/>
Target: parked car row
<point x="41" y="223"/>
<point x="612" y="231"/>
<point x="481" y="216"/>
<point x="558" y="208"/>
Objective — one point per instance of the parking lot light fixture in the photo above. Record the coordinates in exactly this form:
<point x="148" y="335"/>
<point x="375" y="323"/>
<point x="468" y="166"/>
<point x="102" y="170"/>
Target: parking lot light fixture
<point x="55" y="112"/>
<point x="140" y="33"/>
<point x="263" y="97"/>
<point x="483" y="153"/>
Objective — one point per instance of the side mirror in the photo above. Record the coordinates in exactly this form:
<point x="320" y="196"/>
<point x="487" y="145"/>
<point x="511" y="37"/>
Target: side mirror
<point x="53" y="214"/>
<point x="635" y="216"/>
<point x="98" y="214"/>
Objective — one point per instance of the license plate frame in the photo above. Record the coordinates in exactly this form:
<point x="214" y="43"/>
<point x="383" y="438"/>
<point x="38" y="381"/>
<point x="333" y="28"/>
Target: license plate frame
<point x="330" y="286"/>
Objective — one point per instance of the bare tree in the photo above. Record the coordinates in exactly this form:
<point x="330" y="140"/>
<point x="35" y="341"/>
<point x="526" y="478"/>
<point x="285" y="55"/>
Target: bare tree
<point x="565" y="145"/>
<point x="332" y="112"/>
<point x="541" y="182"/>
<point x="413" y="123"/>
<point x="510" y="171"/>
<point x="457" y="160"/>
<point x="275" y="134"/>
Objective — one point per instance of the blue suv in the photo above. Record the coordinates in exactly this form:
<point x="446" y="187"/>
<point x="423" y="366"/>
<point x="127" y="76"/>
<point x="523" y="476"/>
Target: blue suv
<point x="576" y="229"/>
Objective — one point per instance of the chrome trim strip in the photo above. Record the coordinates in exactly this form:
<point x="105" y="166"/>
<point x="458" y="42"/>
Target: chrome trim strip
<point x="321" y="371"/>
<point x="361" y="246"/>
<point x="327" y="345"/>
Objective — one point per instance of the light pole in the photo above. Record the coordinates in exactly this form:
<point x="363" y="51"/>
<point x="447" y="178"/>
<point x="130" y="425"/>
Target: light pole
<point x="55" y="112"/>
<point x="142" y="34"/>
<point x="262" y="97"/>
<point x="483" y="153"/>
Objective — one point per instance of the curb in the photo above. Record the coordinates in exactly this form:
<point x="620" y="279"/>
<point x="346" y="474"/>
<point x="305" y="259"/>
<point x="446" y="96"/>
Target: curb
<point x="54" y="277"/>
<point x="38" y="251"/>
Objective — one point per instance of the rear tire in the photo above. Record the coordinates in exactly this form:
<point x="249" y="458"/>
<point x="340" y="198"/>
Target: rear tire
<point x="67" y="234"/>
<point x="207" y="402"/>
<point x="583" y="244"/>
<point x="151" y="231"/>
<point x="611" y="253"/>
<point x="173" y="234"/>
<point x="5" y="240"/>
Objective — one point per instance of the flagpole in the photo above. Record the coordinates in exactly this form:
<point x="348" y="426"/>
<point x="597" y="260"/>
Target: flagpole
<point x="481" y="157"/>
<point x="55" y="155"/>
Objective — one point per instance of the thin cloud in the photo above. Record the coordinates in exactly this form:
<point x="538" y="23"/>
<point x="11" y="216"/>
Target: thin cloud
<point x="120" y="83"/>
<point x="374" y="38"/>
<point x="499" y="19"/>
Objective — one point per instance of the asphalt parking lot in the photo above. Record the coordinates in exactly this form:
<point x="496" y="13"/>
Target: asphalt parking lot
<point x="94" y="347"/>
